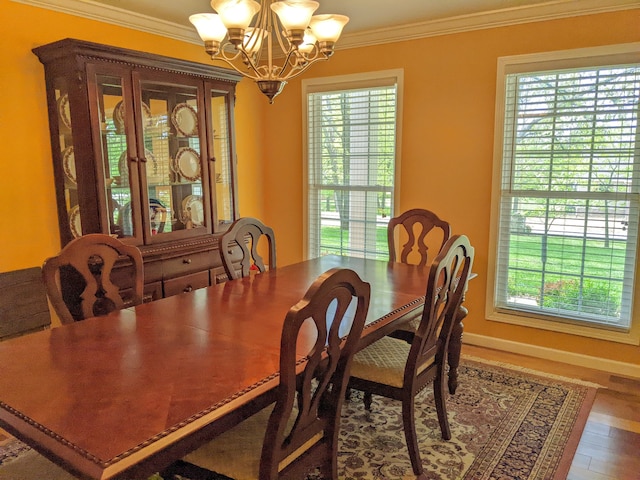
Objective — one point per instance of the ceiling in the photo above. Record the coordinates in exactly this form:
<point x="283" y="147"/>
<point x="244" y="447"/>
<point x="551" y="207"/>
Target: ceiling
<point x="371" y="21"/>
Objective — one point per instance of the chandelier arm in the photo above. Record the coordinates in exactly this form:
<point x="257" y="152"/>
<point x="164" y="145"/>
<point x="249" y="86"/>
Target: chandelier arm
<point x="287" y="63"/>
<point x="302" y="69"/>
<point x="229" y="61"/>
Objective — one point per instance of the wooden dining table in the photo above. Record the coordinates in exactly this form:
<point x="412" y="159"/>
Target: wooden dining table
<point x="125" y="395"/>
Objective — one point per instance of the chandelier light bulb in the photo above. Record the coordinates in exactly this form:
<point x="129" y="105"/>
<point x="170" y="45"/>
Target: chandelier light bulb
<point x="308" y="42"/>
<point x="236" y="14"/>
<point x="209" y="26"/>
<point x="327" y="28"/>
<point x="294" y="15"/>
<point x="253" y="38"/>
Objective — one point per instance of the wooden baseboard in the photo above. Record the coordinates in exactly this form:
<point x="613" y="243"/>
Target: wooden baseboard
<point x="587" y="361"/>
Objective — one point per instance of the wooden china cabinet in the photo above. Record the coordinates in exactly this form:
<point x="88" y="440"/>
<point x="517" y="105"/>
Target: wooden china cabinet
<point x="143" y="149"/>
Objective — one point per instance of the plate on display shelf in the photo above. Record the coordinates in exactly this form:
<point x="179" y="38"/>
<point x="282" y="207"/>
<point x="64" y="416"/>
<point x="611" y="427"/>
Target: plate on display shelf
<point x="187" y="163"/>
<point x="185" y="119"/>
<point x="69" y="164"/>
<point x="119" y="112"/>
<point x="192" y="211"/>
<point x="74" y="221"/>
<point x="64" y="112"/>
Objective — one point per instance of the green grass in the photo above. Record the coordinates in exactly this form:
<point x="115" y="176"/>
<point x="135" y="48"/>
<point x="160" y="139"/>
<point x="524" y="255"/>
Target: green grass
<point x="335" y="240"/>
<point x="601" y="265"/>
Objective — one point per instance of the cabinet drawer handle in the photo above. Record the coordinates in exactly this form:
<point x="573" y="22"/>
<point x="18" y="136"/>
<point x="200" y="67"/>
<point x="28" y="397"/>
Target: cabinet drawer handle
<point x="186" y="261"/>
<point x="134" y="159"/>
<point x="187" y="289"/>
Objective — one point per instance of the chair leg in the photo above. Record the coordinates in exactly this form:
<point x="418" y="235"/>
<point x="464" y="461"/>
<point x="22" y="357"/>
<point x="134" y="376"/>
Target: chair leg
<point x="440" y="397"/>
<point x="409" y="422"/>
<point x="368" y="398"/>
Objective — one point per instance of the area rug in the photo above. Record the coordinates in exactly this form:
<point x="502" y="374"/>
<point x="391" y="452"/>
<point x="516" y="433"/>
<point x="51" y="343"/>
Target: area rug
<point x="506" y="423"/>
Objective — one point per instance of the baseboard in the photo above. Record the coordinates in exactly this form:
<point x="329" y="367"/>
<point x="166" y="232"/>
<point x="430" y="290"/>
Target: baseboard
<point x="596" y="363"/>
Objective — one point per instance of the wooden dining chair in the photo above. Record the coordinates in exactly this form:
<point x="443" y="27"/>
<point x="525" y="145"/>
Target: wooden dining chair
<point x="80" y="279"/>
<point x="424" y="234"/>
<point x="246" y="233"/>
<point x="300" y="431"/>
<point x="394" y="369"/>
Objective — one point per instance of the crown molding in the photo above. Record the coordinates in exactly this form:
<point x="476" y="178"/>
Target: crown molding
<point x="550" y="10"/>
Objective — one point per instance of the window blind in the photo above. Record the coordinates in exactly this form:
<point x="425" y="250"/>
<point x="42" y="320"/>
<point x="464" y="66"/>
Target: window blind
<point x="569" y="198"/>
<point x="351" y="151"/>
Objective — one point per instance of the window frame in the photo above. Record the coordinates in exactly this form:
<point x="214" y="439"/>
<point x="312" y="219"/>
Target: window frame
<point x="342" y="83"/>
<point x="532" y="63"/>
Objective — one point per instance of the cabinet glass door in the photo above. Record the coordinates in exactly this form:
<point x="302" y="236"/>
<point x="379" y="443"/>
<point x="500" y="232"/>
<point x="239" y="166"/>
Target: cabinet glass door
<point x="223" y="156"/>
<point x="172" y="162"/>
<point x="119" y="161"/>
<point x="67" y="155"/>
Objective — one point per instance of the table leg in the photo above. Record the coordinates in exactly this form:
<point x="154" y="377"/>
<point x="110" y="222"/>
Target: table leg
<point x="455" y="346"/>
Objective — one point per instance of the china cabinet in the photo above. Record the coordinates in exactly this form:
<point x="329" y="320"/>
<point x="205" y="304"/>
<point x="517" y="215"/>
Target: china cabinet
<point x="143" y="149"/>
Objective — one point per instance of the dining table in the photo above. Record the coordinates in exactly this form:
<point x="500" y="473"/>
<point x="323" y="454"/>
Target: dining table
<point x="124" y="395"/>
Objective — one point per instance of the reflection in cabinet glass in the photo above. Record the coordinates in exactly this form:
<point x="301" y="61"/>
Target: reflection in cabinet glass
<point x="143" y="149"/>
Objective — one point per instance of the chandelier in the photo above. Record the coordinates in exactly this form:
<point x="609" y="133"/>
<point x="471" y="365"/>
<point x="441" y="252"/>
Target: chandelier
<point x="285" y="31"/>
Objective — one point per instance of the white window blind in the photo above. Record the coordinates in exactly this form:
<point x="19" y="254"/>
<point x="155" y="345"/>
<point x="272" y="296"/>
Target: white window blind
<point x="569" y="194"/>
<point x="351" y="154"/>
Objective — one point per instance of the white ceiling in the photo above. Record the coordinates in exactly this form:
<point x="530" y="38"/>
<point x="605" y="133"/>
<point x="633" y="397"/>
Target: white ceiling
<point x="371" y="21"/>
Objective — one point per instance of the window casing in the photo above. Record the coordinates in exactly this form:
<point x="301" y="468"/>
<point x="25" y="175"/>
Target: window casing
<point x="351" y="146"/>
<point x="566" y="198"/>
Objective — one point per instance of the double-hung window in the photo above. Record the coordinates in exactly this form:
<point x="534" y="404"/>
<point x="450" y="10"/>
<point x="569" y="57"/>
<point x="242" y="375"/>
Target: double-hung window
<point x="351" y="145"/>
<point x="567" y="191"/>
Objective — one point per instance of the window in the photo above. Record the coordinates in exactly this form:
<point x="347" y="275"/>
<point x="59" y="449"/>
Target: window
<point x="351" y="149"/>
<point x="567" y="163"/>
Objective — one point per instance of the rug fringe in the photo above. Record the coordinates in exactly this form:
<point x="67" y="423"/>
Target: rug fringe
<point x="539" y="373"/>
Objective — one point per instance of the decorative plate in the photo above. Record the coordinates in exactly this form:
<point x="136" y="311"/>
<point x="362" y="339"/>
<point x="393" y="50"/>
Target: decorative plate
<point x="64" y="112"/>
<point x="192" y="211"/>
<point x="118" y="116"/>
<point x="187" y="163"/>
<point x="74" y="222"/>
<point x="69" y="164"/>
<point x="151" y="159"/>
<point x="185" y="119"/>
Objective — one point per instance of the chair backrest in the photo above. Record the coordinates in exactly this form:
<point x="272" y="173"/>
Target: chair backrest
<point x="246" y="233"/>
<point x="404" y="226"/>
<point x="304" y="425"/>
<point x="79" y="280"/>
<point x="446" y="286"/>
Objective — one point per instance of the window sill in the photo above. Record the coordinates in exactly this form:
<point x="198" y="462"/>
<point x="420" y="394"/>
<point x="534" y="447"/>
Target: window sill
<point x="528" y="320"/>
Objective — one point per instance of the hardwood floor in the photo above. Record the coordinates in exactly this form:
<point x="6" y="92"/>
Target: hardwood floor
<point x="609" y="448"/>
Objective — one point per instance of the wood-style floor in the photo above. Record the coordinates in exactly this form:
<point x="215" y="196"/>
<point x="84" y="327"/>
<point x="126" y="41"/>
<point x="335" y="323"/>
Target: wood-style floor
<point x="609" y="448"/>
<point x="610" y="445"/>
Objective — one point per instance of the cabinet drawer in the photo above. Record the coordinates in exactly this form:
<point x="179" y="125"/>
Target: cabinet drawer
<point x="178" y="266"/>
<point x="186" y="283"/>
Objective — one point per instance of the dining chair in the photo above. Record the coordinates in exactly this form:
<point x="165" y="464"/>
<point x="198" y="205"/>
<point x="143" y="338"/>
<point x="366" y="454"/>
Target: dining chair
<point x="300" y="430"/>
<point x="246" y="232"/>
<point x="80" y="279"/>
<point x="395" y="369"/>
<point x="424" y="234"/>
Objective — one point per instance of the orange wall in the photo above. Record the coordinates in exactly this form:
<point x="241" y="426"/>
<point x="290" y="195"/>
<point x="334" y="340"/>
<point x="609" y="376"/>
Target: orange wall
<point x="447" y="138"/>
<point x="447" y="142"/>
<point x="28" y="217"/>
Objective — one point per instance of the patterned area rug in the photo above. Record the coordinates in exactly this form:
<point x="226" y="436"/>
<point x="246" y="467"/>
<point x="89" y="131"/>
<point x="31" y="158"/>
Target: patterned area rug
<point x="506" y="424"/>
